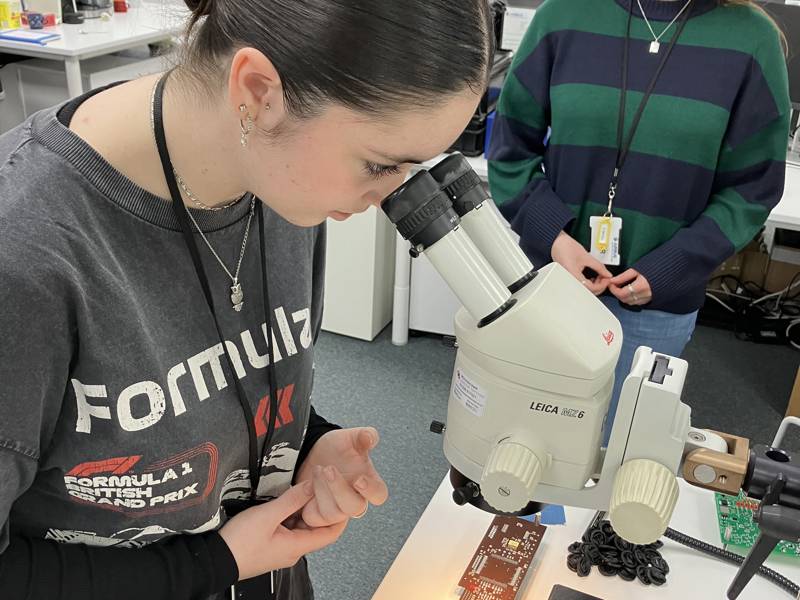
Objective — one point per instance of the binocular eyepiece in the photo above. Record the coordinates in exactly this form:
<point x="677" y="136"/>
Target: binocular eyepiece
<point x="443" y="212"/>
<point x="430" y="204"/>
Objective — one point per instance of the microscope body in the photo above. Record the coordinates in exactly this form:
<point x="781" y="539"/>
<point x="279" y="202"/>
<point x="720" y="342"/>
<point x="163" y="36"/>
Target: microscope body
<point x="540" y="384"/>
<point x="528" y="403"/>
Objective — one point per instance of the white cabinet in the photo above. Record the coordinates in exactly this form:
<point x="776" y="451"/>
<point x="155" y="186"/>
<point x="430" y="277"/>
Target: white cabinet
<point x="359" y="275"/>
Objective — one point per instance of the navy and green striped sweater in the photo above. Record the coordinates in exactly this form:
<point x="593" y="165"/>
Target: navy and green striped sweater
<point x="707" y="163"/>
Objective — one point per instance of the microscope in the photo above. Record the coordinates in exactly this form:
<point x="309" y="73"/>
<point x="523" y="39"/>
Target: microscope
<point x="532" y="383"/>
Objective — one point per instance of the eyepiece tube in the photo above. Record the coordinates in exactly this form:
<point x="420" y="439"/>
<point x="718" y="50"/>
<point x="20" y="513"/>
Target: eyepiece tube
<point x="421" y="213"/>
<point x="463" y="187"/>
<point x="424" y="216"/>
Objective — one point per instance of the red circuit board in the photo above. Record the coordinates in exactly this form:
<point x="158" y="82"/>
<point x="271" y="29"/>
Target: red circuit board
<point x="498" y="568"/>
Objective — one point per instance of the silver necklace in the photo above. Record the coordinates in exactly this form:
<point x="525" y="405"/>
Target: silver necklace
<point x="237" y="294"/>
<point x="185" y="188"/>
<point x="655" y="45"/>
<point x="189" y="194"/>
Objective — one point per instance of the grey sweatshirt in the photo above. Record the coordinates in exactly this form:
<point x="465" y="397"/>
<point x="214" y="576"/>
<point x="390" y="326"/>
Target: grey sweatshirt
<point x="119" y="420"/>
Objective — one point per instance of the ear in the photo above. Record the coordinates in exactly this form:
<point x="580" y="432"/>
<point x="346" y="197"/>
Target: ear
<point x="254" y="82"/>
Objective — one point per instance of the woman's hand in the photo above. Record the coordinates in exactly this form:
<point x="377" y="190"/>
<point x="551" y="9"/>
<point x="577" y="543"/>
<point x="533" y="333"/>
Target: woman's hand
<point x="574" y="258"/>
<point x="631" y="287"/>
<point x="344" y="479"/>
<point x="259" y="541"/>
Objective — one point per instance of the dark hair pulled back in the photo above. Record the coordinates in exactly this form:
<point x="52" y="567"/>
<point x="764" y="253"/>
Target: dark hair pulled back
<point x="199" y="8"/>
<point x="369" y="55"/>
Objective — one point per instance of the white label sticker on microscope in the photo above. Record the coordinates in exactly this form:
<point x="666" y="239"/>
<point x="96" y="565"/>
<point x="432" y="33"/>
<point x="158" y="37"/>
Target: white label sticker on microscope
<point x="469" y="393"/>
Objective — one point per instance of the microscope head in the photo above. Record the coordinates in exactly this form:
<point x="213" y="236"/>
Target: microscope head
<point x="537" y="351"/>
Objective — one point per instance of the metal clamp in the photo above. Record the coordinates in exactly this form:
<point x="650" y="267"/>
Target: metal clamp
<point x="719" y="471"/>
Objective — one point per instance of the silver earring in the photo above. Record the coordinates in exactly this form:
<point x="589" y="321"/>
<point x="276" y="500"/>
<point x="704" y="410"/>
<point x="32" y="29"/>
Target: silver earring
<point x="245" y="129"/>
<point x="267" y="106"/>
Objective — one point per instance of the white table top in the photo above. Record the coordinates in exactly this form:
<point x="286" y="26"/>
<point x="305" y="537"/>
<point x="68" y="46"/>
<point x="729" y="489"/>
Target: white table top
<point x="139" y="26"/>
<point x="439" y="549"/>
<point x="787" y="214"/>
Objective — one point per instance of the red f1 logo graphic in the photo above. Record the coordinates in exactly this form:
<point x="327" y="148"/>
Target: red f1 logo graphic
<point x="285" y="415"/>
<point x="115" y="466"/>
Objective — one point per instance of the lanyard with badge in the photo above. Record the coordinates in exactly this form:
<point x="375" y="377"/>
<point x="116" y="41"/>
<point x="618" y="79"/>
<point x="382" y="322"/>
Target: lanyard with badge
<point x="259" y="588"/>
<point x="605" y="236"/>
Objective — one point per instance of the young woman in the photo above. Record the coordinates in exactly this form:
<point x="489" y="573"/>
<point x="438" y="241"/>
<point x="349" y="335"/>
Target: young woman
<point x="161" y="269"/>
<point x="669" y="122"/>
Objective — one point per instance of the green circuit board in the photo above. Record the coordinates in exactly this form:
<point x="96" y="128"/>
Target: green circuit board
<point x="736" y="526"/>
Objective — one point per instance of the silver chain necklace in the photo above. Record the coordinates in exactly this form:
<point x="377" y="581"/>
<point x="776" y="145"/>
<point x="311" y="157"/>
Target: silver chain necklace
<point x="189" y="194"/>
<point x="185" y="188"/>
<point x="237" y="294"/>
<point x="655" y="45"/>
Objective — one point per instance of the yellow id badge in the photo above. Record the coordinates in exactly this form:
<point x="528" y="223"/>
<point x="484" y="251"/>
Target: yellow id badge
<point x="605" y="239"/>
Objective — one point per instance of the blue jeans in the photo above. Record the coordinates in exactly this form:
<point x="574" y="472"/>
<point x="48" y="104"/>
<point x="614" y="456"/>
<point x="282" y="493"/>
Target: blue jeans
<point x="663" y="332"/>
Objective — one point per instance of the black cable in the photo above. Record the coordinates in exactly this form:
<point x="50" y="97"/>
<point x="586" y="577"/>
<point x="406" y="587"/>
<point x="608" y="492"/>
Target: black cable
<point x="271" y="350"/>
<point x="748" y="312"/>
<point x="760" y="290"/>
<point x="791" y="310"/>
<point x="725" y="278"/>
<point x="773" y="576"/>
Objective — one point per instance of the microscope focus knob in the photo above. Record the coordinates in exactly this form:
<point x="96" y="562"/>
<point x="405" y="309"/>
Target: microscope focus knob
<point x="510" y="476"/>
<point x="644" y="496"/>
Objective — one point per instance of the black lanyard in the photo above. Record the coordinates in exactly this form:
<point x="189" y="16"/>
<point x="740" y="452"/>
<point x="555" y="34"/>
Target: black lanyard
<point x="624" y="148"/>
<point x="182" y="214"/>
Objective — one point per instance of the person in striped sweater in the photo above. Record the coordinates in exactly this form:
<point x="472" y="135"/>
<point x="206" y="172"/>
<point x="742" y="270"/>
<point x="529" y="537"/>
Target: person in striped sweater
<point x="690" y="156"/>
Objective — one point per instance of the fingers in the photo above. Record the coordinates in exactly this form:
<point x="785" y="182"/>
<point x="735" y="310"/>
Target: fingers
<point x="598" y="267"/>
<point x="336" y="499"/>
<point x="619" y="293"/>
<point x="625" y="278"/>
<point x="366" y="439"/>
<point x="304" y="541"/>
<point x="350" y="501"/>
<point x="373" y="489"/>
<point x="312" y="513"/>
<point x="292" y="500"/>
<point x="598" y="286"/>
<point x="641" y="292"/>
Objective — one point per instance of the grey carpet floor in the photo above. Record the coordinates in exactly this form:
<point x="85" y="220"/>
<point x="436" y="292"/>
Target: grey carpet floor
<point x="732" y="386"/>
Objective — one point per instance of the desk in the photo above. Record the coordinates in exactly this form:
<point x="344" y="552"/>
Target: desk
<point x="439" y="548"/>
<point x="139" y="26"/>
<point x="786" y="215"/>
